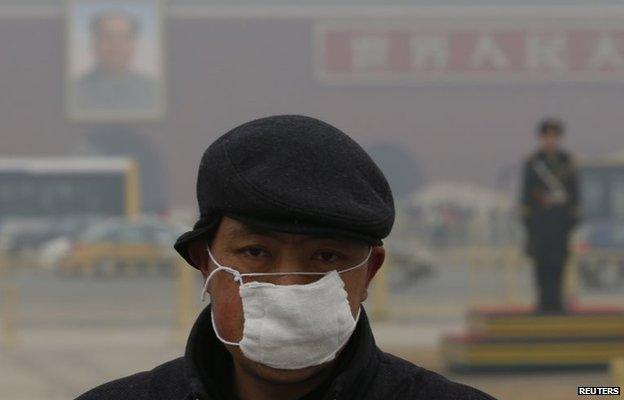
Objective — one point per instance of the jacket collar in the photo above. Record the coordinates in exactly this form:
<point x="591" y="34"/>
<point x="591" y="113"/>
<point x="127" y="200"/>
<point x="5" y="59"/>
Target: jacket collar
<point x="208" y="364"/>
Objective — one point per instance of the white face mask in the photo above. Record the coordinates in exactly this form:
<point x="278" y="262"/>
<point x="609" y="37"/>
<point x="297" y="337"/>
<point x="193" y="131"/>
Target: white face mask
<point x="292" y="326"/>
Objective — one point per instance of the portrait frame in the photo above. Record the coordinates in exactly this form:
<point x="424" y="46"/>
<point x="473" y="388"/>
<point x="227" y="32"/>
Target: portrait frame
<point x="151" y="42"/>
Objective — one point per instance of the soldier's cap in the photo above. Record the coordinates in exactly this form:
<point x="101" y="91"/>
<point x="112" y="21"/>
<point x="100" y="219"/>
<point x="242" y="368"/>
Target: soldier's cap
<point x="550" y="124"/>
<point x="293" y="174"/>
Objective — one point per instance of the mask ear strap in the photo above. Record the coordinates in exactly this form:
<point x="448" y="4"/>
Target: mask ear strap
<point x="370" y="251"/>
<point x="214" y="328"/>
<point x="237" y="278"/>
<point x="237" y="275"/>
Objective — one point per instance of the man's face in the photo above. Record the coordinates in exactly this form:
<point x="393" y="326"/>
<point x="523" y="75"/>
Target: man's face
<point x="114" y="43"/>
<point x="240" y="246"/>
<point x="550" y="140"/>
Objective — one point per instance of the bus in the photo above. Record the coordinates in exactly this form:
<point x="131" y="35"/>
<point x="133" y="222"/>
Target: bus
<point x="68" y="186"/>
<point x="42" y="197"/>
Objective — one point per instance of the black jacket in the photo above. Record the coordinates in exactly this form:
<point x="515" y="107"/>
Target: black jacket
<point x="363" y="372"/>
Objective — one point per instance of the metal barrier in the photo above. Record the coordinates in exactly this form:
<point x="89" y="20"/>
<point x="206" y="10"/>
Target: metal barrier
<point x="186" y="305"/>
<point x="8" y="304"/>
<point x="509" y="259"/>
<point x="507" y="266"/>
<point x="512" y="259"/>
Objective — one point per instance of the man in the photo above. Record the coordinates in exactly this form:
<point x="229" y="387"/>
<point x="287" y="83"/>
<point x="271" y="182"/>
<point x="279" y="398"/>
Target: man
<point x="292" y="217"/>
<point x="550" y="208"/>
<point x="112" y="84"/>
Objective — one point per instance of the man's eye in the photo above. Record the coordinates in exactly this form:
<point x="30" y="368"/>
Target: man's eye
<point x="327" y="256"/>
<point x="255" y="252"/>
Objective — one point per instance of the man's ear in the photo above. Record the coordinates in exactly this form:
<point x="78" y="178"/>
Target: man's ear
<point x="199" y="255"/>
<point x="376" y="260"/>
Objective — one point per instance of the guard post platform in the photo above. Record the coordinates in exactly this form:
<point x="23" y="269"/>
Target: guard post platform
<point x="516" y="339"/>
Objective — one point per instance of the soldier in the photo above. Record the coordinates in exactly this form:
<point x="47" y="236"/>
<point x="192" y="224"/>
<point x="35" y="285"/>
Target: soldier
<point x="292" y="217"/>
<point x="550" y="210"/>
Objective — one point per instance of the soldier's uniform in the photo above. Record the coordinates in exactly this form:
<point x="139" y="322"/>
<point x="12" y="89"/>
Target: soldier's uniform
<point x="550" y="207"/>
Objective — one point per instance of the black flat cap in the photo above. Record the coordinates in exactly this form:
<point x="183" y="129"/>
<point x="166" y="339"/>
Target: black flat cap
<point x="294" y="174"/>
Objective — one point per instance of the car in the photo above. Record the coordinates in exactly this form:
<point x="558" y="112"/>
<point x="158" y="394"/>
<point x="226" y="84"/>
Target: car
<point x="123" y="247"/>
<point x="412" y="263"/>
<point x="53" y="251"/>
<point x="22" y="239"/>
<point x="599" y="247"/>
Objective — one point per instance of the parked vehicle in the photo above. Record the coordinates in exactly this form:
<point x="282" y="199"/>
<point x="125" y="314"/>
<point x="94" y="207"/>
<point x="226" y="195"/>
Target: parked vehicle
<point x="22" y="239"/>
<point x="600" y="249"/>
<point x="599" y="242"/>
<point x="412" y="263"/>
<point x="123" y="247"/>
